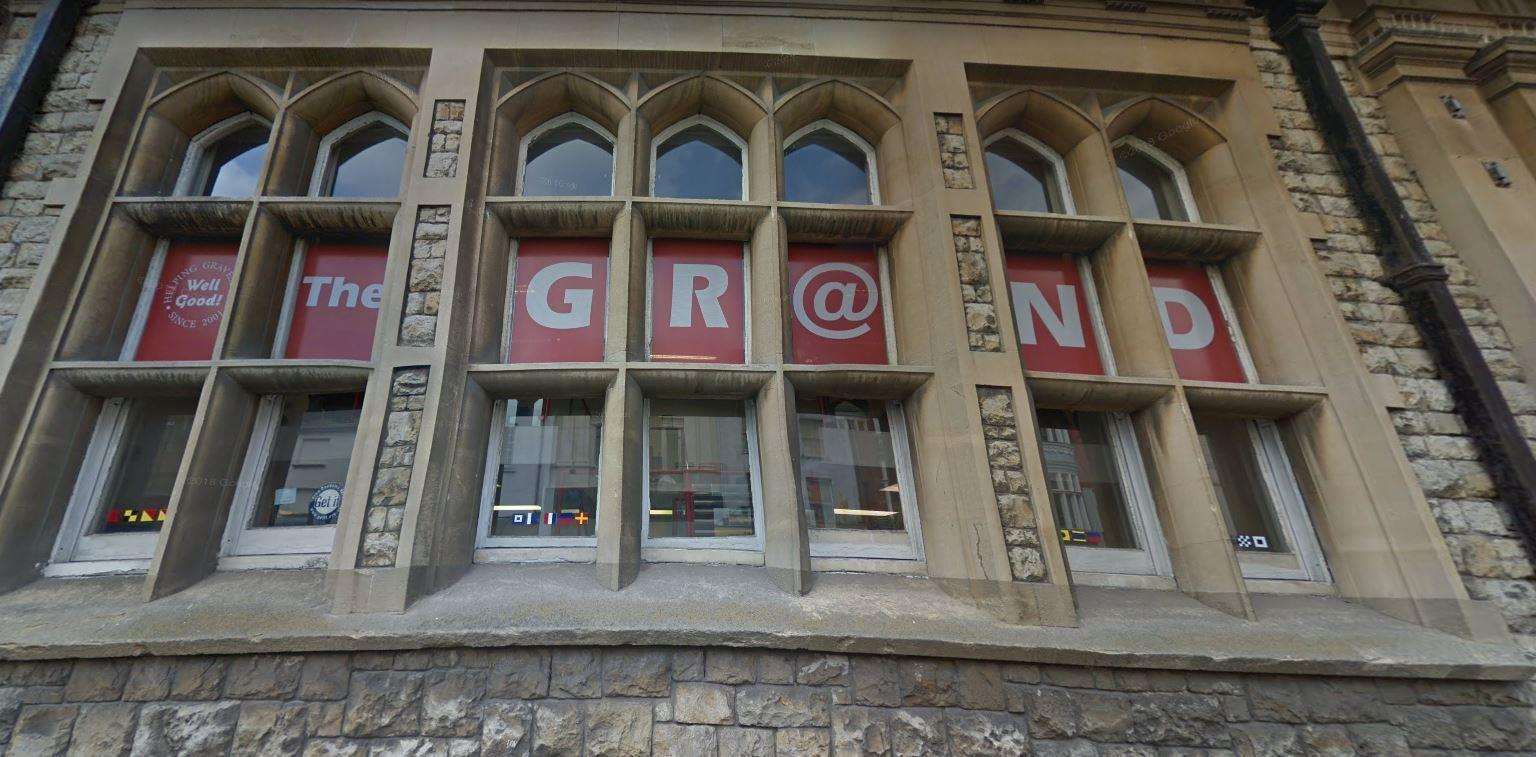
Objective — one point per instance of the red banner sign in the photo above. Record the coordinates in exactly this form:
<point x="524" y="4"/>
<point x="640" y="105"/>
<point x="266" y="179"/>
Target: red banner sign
<point x="558" y="291"/>
<point x="834" y="299"/>
<point x="698" y="301"/>
<point x="1051" y="316"/>
<point x="1193" y="323"/>
<point x="188" y="302"/>
<point x="337" y="307"/>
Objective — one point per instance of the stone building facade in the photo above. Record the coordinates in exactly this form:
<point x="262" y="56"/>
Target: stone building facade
<point x="423" y="634"/>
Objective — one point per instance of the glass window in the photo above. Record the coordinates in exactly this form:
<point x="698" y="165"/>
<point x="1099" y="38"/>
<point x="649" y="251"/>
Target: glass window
<point x="149" y="454"/>
<point x="570" y="160"/>
<point x="545" y="474"/>
<point x="304" y="481"/>
<point x="1087" y="496"/>
<point x="698" y="163"/>
<point x="699" y="472"/>
<point x="1021" y="179"/>
<point x="824" y="166"/>
<point x="232" y="165"/>
<point x="848" y="465"/>
<point x="368" y="163"/>
<point x="1150" y="189"/>
<point x="1230" y="447"/>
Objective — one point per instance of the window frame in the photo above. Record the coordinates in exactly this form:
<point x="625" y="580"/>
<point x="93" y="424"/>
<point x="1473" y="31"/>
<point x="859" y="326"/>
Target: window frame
<point x="322" y="181"/>
<point x="683" y="125"/>
<point x="76" y="552"/>
<point x="1175" y="169"/>
<point x="140" y="319"/>
<point x="568" y="117"/>
<point x="496" y="545"/>
<point x="703" y="544"/>
<point x="1058" y="169"/>
<point x="1107" y="566"/>
<point x="242" y="542"/>
<point x="746" y="304"/>
<point x="822" y="546"/>
<point x="873" y="172"/>
<point x="194" y="166"/>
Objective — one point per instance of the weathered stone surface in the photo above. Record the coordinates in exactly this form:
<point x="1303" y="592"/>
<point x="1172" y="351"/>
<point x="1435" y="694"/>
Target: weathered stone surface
<point x="783" y="706"/>
<point x="186" y="729"/>
<point x="876" y="681"/>
<point x="730" y="666"/>
<point x="802" y="742"/>
<point x="928" y="683"/>
<point x="860" y="731"/>
<point x="521" y="674"/>
<point x="450" y="702"/>
<point x="575" y="673"/>
<point x="324" y="677"/>
<point x="506" y="728"/>
<point x="702" y="703"/>
<point x="822" y="670"/>
<point x="43" y="729"/>
<point x="97" y="681"/>
<point x="104" y="729"/>
<point x="557" y="728"/>
<point x="917" y="731"/>
<point x="982" y="733"/>
<point x="673" y="740"/>
<point x="746" y="742"/>
<point x="636" y="673"/>
<point x="270" y="728"/>
<point x="383" y="704"/>
<point x="619" y="727"/>
<point x="263" y="676"/>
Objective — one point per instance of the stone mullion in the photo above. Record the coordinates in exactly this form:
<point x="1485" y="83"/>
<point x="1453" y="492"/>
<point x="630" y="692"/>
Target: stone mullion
<point x="1199" y="546"/>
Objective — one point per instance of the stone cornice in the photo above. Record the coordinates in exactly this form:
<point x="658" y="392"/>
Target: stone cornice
<point x="1397" y="55"/>
<point x="1503" y="65"/>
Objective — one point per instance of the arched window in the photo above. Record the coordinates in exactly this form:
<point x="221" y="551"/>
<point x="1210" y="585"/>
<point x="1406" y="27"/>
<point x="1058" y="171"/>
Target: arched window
<point x="570" y="156"/>
<point x="1154" y="183"/>
<point x="1026" y="175"/>
<point x="364" y="157"/>
<point x="225" y="160"/>
<point x="826" y="163"/>
<point x="697" y="159"/>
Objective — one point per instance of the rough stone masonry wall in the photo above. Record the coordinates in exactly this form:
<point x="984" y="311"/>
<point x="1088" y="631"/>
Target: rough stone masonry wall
<point x="732" y="703"/>
<point x="60" y="132"/>
<point x="1478" y="525"/>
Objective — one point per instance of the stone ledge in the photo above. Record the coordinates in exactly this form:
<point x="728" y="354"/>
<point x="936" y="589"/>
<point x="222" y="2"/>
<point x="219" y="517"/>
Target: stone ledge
<point x="504" y="605"/>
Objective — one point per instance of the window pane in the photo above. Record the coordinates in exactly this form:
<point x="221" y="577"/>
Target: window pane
<point x="1087" y="495"/>
<point x="234" y="163"/>
<point x="149" y="454"/>
<point x="1232" y="458"/>
<point x="824" y="167"/>
<point x="546" y="481"/>
<point x="848" y="465"/>
<point x="1020" y="178"/>
<point x="304" y="481"/>
<point x="700" y="481"/>
<point x="698" y="163"/>
<point x="569" y="161"/>
<point x="368" y="163"/>
<point x="1149" y="189"/>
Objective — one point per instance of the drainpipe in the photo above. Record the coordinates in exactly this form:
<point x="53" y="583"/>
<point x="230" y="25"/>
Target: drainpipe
<point x="23" y="90"/>
<point x="1411" y="270"/>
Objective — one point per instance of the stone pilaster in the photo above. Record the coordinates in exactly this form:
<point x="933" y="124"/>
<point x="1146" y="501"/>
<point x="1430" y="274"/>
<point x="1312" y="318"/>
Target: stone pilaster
<point x="392" y="475"/>
<point x="447" y="132"/>
<point x="953" y="155"/>
<point x="424" y="283"/>
<point x="1000" y="426"/>
<point x="975" y="285"/>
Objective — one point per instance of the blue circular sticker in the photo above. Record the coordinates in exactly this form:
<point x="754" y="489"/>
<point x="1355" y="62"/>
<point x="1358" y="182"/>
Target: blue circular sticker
<point x="325" y="505"/>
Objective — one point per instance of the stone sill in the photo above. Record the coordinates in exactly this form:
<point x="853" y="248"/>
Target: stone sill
<point x="685" y="605"/>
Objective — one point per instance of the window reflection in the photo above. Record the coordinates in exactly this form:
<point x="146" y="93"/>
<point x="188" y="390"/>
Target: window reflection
<point x="700" y="479"/>
<point x="139" y="490"/>
<point x="698" y="163"/>
<point x="848" y="465"/>
<point x="1087" y="496"/>
<point x="368" y="163"/>
<point x="1150" y="189"/>
<point x="1021" y="179"/>
<point x="305" y="479"/>
<point x="824" y="166"/>
<point x="232" y="165"/>
<point x="1232" y="457"/>
<point x="570" y="160"/>
<point x="546" y="477"/>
